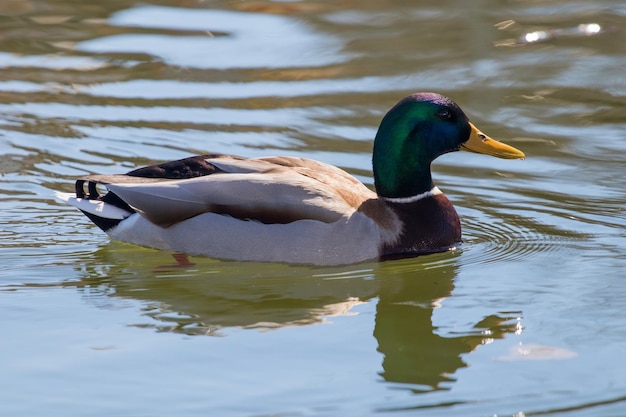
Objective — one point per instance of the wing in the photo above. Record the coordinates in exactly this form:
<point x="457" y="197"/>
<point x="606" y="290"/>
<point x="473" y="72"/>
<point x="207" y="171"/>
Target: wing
<point x="269" y="190"/>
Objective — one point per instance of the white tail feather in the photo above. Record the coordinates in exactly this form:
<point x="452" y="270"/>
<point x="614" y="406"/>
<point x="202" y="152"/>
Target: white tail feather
<point x="95" y="207"/>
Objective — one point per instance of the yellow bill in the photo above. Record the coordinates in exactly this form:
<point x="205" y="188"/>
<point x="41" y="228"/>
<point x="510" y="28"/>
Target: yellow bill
<point x="478" y="142"/>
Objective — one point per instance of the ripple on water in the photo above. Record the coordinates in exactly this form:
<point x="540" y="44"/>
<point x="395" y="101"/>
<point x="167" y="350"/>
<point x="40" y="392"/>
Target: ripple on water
<point x="510" y="240"/>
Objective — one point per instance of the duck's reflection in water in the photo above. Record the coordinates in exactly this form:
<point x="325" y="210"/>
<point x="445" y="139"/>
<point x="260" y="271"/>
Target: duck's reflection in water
<point x="202" y="296"/>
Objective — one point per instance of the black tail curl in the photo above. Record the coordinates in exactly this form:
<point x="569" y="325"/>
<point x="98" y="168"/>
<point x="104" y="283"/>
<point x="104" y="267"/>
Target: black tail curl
<point x="92" y="191"/>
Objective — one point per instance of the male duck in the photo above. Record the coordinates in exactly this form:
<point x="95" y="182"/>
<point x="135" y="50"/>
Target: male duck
<point x="297" y="210"/>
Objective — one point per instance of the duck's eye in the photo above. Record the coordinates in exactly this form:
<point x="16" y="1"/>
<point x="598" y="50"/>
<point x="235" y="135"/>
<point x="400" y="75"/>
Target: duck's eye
<point x="444" y="114"/>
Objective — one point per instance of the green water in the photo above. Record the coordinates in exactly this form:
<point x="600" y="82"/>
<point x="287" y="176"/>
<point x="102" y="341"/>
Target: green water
<point x="524" y="319"/>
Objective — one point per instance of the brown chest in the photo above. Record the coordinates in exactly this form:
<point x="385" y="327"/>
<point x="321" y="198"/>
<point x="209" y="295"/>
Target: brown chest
<point x="428" y="225"/>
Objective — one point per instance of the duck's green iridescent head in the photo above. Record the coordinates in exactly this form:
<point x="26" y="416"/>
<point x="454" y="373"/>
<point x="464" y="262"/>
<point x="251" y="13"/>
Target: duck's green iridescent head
<point x="417" y="130"/>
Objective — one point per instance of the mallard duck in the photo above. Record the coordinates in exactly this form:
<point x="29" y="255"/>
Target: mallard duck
<point x="297" y="210"/>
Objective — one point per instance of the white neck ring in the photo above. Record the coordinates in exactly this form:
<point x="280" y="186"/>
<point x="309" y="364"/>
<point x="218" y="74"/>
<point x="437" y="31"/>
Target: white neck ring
<point x="404" y="200"/>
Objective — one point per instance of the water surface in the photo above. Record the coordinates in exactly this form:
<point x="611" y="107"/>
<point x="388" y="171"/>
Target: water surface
<point x="525" y="318"/>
